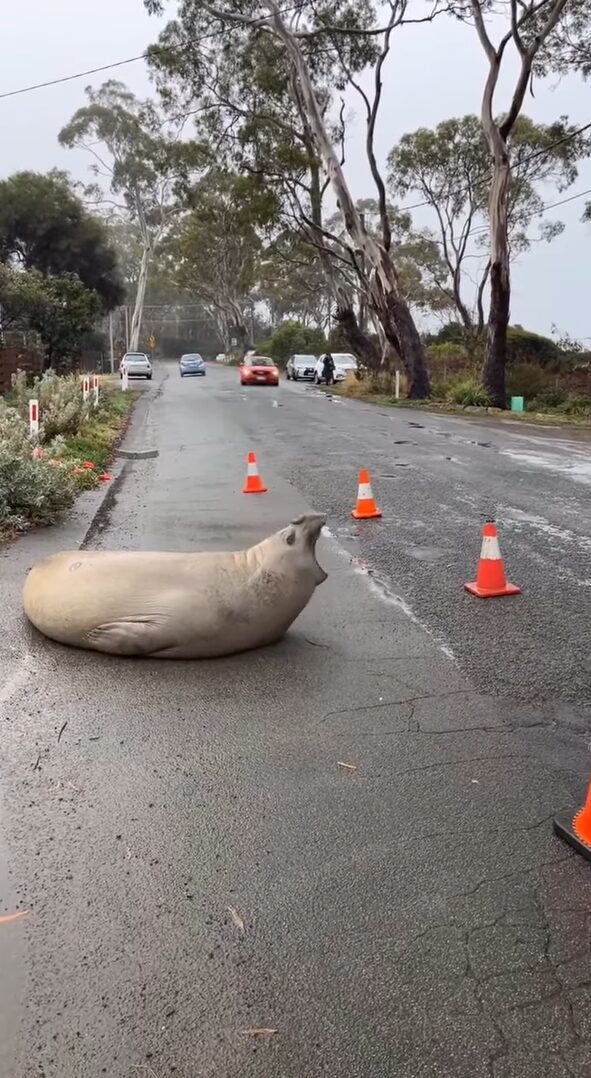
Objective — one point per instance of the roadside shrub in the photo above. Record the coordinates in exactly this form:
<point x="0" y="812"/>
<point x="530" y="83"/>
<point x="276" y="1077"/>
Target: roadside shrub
<point x="61" y="406"/>
<point x="440" y="389"/>
<point x="32" y="490"/>
<point x="576" y="404"/>
<point x="467" y="390"/>
<point x="526" y="380"/>
<point x="549" y="399"/>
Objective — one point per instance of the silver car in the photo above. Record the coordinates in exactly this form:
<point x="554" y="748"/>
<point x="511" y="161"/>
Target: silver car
<point x="137" y="365"/>
<point x="300" y="366"/>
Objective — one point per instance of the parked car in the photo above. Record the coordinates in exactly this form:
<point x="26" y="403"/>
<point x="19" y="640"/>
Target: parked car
<point x="344" y="362"/>
<point x="300" y="366"/>
<point x="137" y="365"/>
<point x="192" y="363"/>
<point x="258" y="370"/>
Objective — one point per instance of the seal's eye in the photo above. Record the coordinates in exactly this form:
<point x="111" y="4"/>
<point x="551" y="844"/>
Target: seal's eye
<point x="290" y="537"/>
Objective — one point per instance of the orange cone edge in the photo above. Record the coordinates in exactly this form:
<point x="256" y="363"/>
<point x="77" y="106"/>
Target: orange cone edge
<point x="576" y="829"/>
<point x="366" y="508"/>
<point x="253" y="483"/>
<point x="491" y="581"/>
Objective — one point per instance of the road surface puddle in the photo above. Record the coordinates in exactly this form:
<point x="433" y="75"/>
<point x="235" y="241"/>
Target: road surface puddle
<point x="576" y="466"/>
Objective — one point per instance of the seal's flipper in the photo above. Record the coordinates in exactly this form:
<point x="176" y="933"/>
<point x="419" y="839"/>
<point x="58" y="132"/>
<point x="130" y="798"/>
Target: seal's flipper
<point x="141" y="635"/>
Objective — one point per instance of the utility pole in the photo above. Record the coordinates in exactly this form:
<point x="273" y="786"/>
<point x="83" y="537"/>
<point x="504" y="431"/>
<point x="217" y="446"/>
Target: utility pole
<point x="111" y="342"/>
<point x="126" y="309"/>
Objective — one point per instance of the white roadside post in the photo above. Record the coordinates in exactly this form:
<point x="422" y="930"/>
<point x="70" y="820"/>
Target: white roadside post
<point x="85" y="388"/>
<point x="95" y="390"/>
<point x="33" y="419"/>
<point x="397" y="385"/>
<point x="125" y="379"/>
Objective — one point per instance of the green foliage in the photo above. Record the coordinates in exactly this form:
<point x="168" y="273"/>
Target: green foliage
<point x="526" y="380"/>
<point x="448" y="168"/>
<point x="44" y="226"/>
<point x="466" y="389"/>
<point x="548" y="400"/>
<point x="292" y="337"/>
<point x="31" y="490"/>
<point x="60" y="309"/>
<point x="61" y="407"/>
<point x="576" y="404"/>
<point x="524" y="346"/>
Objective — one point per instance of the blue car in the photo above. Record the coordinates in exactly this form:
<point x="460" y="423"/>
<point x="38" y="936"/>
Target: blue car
<point x="191" y="364"/>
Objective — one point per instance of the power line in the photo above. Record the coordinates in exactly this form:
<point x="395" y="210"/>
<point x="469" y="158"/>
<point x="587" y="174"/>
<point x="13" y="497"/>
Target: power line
<point x="522" y="217"/>
<point x="130" y="59"/>
<point x="529" y="157"/>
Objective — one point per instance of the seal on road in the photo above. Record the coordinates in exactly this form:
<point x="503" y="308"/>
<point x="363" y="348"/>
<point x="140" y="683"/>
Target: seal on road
<point x="176" y="605"/>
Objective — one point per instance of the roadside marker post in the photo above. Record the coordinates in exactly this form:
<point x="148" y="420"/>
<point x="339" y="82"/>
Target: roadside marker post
<point x="397" y="385"/>
<point x="125" y="379"/>
<point x="33" y="419"/>
<point x="85" y="387"/>
<point x="95" y="390"/>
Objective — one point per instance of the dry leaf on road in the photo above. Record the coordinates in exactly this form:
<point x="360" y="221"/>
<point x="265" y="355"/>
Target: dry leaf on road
<point x="236" y="918"/>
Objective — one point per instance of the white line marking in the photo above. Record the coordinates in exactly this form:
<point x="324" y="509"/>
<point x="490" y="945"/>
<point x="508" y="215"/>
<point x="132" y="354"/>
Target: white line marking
<point x="381" y="589"/>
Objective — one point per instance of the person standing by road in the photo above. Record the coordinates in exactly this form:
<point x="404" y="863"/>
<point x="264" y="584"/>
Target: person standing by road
<point x="328" y="369"/>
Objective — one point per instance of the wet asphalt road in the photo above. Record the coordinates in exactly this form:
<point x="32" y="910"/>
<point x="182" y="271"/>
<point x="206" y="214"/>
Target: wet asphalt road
<point x="193" y="860"/>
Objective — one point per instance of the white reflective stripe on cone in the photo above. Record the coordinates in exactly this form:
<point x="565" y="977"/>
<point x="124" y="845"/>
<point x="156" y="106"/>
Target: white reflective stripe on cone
<point x="364" y="491"/>
<point x="490" y="549"/>
<point x="252" y="468"/>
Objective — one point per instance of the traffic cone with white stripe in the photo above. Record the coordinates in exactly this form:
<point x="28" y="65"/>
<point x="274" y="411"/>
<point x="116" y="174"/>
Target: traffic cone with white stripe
<point x="366" y="508"/>
<point x="254" y="484"/>
<point x="576" y="828"/>
<point x="491" y="581"/>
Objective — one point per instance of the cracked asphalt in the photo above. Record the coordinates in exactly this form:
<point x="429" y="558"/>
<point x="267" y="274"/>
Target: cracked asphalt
<point x="196" y="862"/>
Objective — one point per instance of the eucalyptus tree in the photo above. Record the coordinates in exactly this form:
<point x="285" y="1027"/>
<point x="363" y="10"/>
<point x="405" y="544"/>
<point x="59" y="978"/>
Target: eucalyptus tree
<point x="139" y="156"/>
<point x="448" y="170"/>
<point x="299" y="57"/>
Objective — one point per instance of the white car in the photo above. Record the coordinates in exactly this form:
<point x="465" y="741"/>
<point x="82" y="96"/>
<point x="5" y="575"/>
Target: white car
<point x="300" y="366"/>
<point x="344" y="363"/>
<point x="137" y="365"/>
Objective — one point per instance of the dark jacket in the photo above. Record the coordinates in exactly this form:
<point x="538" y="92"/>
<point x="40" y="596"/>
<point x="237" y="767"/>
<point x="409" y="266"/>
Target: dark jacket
<point x="327" y="365"/>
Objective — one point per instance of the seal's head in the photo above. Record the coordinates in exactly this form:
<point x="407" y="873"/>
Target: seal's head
<point x="302" y="535"/>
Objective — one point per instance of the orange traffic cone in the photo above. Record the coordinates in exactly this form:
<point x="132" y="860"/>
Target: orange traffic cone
<point x="490" y="577"/>
<point x="576" y="829"/>
<point x="366" y="507"/>
<point x="254" y="484"/>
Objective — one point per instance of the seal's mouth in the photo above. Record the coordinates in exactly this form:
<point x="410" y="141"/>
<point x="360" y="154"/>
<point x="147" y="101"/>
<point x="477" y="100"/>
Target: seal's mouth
<point x="311" y="526"/>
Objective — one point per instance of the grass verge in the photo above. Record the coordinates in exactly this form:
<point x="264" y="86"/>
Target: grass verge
<point x="356" y="390"/>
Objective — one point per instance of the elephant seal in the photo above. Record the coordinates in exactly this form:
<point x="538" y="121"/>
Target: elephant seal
<point x="177" y="606"/>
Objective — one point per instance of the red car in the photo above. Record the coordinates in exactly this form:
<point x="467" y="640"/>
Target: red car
<point x="258" y="370"/>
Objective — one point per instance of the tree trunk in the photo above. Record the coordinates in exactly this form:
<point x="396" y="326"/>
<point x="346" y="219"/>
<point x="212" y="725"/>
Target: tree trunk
<point x="378" y="261"/>
<point x="358" y="342"/>
<point x="138" y="310"/>
<point x="493" y="371"/>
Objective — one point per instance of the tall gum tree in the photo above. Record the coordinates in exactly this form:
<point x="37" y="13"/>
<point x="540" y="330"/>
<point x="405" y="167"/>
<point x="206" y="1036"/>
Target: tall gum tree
<point x="321" y="23"/>
<point x="139" y="154"/>
<point x="530" y="25"/>
<point x="247" y="107"/>
<point x="448" y="169"/>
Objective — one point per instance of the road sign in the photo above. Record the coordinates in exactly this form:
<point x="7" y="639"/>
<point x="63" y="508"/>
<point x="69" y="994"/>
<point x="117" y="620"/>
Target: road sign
<point x="151" y="341"/>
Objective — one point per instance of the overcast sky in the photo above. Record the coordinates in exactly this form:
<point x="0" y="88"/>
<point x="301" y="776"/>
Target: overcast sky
<point x="435" y="72"/>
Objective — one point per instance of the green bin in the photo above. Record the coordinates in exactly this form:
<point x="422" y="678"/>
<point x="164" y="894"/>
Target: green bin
<point x="516" y="404"/>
